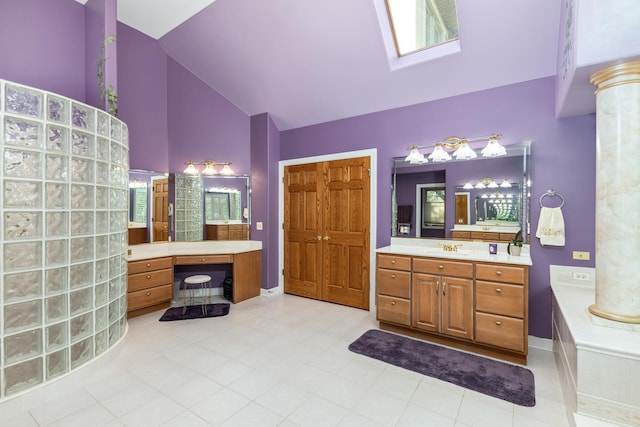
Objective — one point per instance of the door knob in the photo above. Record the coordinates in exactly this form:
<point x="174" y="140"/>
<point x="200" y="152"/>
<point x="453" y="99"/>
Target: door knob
<point x="318" y="237"/>
<point x="326" y="238"/>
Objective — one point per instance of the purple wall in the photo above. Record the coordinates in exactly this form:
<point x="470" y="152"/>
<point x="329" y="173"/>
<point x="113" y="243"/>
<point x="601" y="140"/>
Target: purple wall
<point x="265" y="153"/>
<point x="42" y="44"/>
<point x="203" y="125"/>
<point x="563" y="158"/>
<point x="142" y="103"/>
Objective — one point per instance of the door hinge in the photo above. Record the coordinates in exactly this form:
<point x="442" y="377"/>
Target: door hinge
<point x="369" y="170"/>
<point x="283" y="271"/>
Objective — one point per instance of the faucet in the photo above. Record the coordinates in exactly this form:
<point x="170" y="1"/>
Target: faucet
<point x="450" y="248"/>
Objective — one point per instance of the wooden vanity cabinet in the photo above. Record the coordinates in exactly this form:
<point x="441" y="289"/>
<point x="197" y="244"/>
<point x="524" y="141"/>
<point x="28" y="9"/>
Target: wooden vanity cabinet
<point x="442" y="297"/>
<point x="150" y="285"/>
<point x="501" y="309"/>
<point x="393" y="278"/>
<point x="475" y="306"/>
<point x="227" y="232"/>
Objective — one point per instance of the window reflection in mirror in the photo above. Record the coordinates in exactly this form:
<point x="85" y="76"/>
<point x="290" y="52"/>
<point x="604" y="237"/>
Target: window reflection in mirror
<point x="464" y="208"/>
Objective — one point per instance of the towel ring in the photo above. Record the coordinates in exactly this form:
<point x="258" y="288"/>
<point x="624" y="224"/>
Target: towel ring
<point x="551" y="193"/>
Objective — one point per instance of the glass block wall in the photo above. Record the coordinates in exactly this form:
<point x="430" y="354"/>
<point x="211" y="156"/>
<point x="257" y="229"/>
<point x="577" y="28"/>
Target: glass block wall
<point x="64" y="235"/>
<point x="189" y="208"/>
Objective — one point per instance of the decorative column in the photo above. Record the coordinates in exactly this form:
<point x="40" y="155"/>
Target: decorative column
<point x="618" y="193"/>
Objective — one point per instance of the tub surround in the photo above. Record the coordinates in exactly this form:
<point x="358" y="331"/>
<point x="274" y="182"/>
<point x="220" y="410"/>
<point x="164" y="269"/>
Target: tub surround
<point x="598" y="360"/>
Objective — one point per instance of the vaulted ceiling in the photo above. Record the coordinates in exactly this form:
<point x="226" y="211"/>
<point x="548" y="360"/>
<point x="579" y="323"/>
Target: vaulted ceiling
<point x="309" y="62"/>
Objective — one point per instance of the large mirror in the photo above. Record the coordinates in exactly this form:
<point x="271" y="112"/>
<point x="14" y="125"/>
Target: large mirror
<point x="146" y="206"/>
<point x="478" y="199"/>
<point x="184" y="207"/>
<point x="211" y="207"/>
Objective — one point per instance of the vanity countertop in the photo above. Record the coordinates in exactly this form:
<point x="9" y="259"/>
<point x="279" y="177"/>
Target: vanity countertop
<point x="205" y="247"/>
<point x="466" y="251"/>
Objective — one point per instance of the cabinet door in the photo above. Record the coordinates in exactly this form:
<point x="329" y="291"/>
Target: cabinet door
<point x="426" y="302"/>
<point x="457" y="307"/>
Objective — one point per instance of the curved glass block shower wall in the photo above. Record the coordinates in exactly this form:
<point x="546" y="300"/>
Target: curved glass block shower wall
<point x="64" y="235"/>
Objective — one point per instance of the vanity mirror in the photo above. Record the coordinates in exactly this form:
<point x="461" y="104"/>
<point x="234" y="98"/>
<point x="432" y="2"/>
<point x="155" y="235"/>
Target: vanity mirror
<point x="210" y="207"/>
<point x="485" y="198"/>
<point x="141" y="205"/>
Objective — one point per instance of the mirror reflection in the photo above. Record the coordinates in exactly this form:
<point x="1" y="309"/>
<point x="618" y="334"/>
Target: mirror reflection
<point x="186" y="207"/>
<point x="210" y="207"/>
<point x="478" y="199"/>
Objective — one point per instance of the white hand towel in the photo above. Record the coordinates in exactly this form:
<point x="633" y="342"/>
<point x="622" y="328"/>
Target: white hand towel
<point x="551" y="227"/>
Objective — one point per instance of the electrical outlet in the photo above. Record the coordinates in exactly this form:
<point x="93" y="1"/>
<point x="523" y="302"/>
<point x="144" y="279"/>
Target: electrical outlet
<point x="581" y="277"/>
<point x="583" y="256"/>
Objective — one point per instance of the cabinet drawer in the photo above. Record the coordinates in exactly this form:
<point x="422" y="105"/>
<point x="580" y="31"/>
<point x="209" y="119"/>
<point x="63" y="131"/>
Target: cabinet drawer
<point x="500" y="331"/>
<point x="393" y="282"/>
<point x="394" y="310"/>
<point x="500" y="273"/>
<point x="500" y="298"/>
<point x="461" y="234"/>
<point x="394" y="262"/>
<point x="203" y="259"/>
<point x="140" y="281"/>
<point x="484" y="235"/>
<point x="507" y="237"/>
<point x="437" y="266"/>
<point x="149" y="265"/>
<point x="149" y="297"/>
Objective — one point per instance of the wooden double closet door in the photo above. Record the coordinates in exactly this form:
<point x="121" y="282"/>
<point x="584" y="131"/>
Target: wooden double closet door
<point x="326" y="231"/>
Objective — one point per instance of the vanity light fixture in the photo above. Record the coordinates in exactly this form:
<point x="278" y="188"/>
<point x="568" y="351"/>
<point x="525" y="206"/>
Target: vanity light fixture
<point x="462" y="149"/>
<point x="505" y="184"/>
<point x="492" y="184"/>
<point x="468" y="186"/>
<point x="209" y="168"/>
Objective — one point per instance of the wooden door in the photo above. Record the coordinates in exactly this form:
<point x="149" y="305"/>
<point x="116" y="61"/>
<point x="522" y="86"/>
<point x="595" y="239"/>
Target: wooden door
<point x="426" y="302"/>
<point x="462" y="208"/>
<point x="457" y="307"/>
<point x="302" y="230"/>
<point x="160" y="218"/>
<point x="326" y="231"/>
<point x="345" y="244"/>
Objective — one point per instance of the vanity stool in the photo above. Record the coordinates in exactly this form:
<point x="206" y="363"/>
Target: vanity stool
<point x="191" y="284"/>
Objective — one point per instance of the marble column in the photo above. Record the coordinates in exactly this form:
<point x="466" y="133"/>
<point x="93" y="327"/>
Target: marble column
<point x="618" y="193"/>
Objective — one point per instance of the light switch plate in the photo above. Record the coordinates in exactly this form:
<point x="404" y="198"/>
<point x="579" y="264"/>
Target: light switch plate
<point x="259" y="225"/>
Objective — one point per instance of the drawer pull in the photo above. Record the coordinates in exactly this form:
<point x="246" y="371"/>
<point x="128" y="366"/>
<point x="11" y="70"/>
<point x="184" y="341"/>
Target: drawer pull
<point x="498" y="290"/>
<point x="148" y="264"/>
<point x="498" y="273"/>
<point x="441" y="267"/>
<point x="393" y="276"/>
<point x="148" y="293"/>
<point x="203" y="259"/>
<point x="498" y="323"/>
<point x="444" y="289"/>
<point x="393" y="303"/>
<point x="393" y="261"/>
<point x="437" y="286"/>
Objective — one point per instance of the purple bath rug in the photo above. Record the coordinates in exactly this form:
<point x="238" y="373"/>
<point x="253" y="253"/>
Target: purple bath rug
<point x="508" y="382"/>
<point x="195" y="312"/>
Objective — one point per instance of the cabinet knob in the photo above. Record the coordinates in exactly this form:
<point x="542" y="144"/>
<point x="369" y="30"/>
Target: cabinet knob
<point x="441" y="266"/>
<point x="148" y="264"/>
<point x="498" y="290"/>
<point x="203" y="259"/>
<point x="393" y="261"/>
<point x="148" y="293"/>
<point x="498" y="323"/>
<point x="498" y="273"/>
<point x="393" y="303"/>
<point x="148" y="276"/>
<point x="393" y="276"/>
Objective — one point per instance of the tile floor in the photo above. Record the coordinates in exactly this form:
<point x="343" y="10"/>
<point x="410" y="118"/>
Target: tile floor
<point x="276" y="361"/>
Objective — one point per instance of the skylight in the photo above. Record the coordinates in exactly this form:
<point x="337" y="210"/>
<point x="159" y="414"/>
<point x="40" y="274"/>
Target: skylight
<point x="420" y="24"/>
